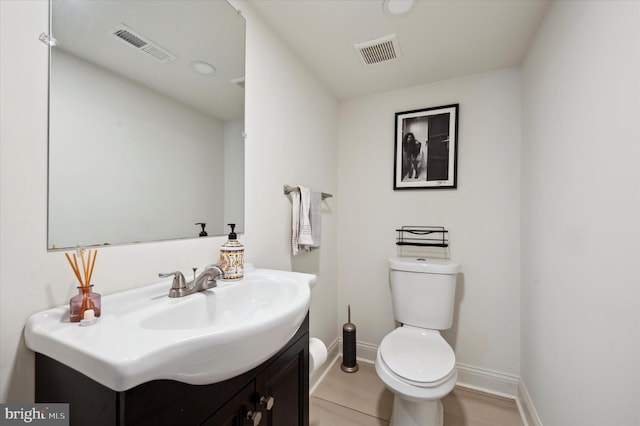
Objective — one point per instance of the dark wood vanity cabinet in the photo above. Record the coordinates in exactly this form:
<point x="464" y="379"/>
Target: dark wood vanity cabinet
<point x="276" y="393"/>
<point x="238" y="411"/>
<point x="284" y="385"/>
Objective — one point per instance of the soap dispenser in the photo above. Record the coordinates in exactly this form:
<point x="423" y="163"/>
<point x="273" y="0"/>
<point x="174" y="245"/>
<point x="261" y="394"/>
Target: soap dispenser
<point x="232" y="257"/>
<point x="203" y="233"/>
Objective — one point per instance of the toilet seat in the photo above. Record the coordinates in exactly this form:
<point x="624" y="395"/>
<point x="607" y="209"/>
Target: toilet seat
<point x="417" y="356"/>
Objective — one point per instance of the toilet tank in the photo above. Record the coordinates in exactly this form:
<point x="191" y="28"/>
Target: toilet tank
<point x="423" y="291"/>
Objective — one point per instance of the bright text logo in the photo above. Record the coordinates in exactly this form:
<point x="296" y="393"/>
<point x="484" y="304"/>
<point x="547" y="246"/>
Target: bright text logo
<point x="37" y="414"/>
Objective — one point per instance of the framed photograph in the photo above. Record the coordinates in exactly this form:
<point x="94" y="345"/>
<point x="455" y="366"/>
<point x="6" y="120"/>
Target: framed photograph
<point x="426" y="148"/>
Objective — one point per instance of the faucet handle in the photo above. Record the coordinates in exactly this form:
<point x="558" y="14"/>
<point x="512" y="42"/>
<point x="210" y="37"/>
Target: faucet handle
<point x="218" y="268"/>
<point x="178" y="279"/>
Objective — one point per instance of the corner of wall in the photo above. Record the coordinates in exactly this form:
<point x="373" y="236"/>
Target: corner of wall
<point x="525" y="407"/>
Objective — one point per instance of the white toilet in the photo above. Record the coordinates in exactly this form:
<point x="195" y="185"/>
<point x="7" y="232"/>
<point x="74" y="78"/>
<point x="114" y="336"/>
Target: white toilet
<point x="414" y="361"/>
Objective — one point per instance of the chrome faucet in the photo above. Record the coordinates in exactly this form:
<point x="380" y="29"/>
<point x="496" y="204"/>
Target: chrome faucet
<point x="207" y="279"/>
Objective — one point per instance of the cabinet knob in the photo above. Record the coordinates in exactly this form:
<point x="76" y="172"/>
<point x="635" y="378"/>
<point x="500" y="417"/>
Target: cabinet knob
<point x="267" y="402"/>
<point x="255" y="417"/>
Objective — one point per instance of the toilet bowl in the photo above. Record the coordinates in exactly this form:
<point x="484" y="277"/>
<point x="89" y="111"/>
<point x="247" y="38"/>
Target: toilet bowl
<point x="418" y="366"/>
<point x="414" y="361"/>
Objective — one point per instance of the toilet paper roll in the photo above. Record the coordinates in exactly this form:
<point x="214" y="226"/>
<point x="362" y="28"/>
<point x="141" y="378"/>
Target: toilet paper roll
<point x="317" y="354"/>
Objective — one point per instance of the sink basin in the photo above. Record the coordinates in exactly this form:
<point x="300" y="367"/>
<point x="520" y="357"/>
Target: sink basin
<point x="203" y="338"/>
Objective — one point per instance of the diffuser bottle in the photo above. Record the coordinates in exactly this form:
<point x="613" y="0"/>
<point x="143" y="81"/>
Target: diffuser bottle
<point x="232" y="257"/>
<point x="85" y="300"/>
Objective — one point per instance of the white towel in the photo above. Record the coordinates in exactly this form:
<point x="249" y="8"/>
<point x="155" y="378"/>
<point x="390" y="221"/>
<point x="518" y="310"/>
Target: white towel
<point x="295" y="221"/>
<point x="315" y="214"/>
<point x="305" y="220"/>
<point x="305" y="238"/>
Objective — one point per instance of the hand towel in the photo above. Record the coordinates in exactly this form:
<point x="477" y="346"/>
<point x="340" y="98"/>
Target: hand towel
<point x="305" y="238"/>
<point x="305" y="220"/>
<point x="295" y="221"/>
<point x="315" y="214"/>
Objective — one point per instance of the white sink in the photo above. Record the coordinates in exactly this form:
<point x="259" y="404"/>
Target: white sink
<point x="203" y="338"/>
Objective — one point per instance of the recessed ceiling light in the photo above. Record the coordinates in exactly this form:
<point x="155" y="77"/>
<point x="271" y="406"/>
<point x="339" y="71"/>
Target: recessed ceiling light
<point x="203" y="67"/>
<point x="397" y="7"/>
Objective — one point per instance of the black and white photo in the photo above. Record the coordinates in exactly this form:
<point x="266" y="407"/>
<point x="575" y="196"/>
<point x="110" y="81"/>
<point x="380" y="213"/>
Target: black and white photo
<point x="426" y="142"/>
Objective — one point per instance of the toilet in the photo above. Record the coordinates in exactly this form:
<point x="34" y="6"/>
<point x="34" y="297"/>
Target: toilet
<point x="414" y="360"/>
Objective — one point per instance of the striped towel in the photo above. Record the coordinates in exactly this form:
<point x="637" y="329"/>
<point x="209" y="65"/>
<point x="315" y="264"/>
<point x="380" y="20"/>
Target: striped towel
<point x="305" y="220"/>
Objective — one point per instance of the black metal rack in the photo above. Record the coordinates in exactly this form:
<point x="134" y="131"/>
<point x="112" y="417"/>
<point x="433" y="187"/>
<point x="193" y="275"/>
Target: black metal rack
<point x="423" y="236"/>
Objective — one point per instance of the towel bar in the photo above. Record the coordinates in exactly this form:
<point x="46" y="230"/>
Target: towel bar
<point x="288" y="189"/>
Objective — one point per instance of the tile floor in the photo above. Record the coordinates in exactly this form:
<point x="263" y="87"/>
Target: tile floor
<point x="361" y="399"/>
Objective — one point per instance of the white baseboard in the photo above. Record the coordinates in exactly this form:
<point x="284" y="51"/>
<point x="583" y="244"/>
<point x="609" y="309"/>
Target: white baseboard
<point x="525" y="406"/>
<point x="488" y="381"/>
<point x="364" y="351"/>
<point x="484" y="380"/>
<point x="468" y="376"/>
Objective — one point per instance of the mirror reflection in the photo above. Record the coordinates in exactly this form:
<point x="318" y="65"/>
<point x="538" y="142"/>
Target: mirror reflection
<point x="146" y="121"/>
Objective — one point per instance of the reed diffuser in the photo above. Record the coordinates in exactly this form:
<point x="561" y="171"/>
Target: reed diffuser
<point x="86" y="304"/>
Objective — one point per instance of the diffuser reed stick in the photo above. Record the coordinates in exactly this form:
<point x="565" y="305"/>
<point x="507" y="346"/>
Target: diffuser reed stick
<point x="87" y="266"/>
<point x="92" y="263"/>
<point x="75" y="270"/>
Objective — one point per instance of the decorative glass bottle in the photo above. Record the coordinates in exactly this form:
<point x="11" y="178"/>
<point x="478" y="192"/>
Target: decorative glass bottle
<point x="85" y="299"/>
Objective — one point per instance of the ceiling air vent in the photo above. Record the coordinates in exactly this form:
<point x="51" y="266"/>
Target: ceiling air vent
<point x="142" y="44"/>
<point x="383" y="49"/>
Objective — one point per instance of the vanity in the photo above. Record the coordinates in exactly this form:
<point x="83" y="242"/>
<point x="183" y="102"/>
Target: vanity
<point x="274" y="393"/>
<point x="236" y="354"/>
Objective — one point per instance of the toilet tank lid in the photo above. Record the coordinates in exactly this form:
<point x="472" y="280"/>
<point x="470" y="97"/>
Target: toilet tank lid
<point x="424" y="265"/>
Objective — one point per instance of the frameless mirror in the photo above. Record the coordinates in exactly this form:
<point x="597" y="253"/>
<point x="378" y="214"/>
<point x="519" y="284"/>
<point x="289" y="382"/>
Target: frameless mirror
<point x="146" y="121"/>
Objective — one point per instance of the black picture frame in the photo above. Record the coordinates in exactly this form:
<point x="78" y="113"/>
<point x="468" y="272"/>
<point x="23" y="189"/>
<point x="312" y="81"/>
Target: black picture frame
<point x="431" y="160"/>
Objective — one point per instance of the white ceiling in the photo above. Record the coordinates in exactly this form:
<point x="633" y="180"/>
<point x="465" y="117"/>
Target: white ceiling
<point x="439" y="39"/>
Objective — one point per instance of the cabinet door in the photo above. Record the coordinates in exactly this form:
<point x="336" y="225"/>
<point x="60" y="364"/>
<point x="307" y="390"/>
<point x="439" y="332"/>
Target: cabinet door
<point x="234" y="412"/>
<point x="284" y="387"/>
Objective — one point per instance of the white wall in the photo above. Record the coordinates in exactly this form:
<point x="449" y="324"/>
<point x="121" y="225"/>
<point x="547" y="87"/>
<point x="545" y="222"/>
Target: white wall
<point x="482" y="214"/>
<point x="581" y="215"/>
<point x="289" y="114"/>
<point x="291" y="139"/>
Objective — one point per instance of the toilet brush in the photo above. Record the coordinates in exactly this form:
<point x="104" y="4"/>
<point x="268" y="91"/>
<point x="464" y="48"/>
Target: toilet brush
<point x="349" y="363"/>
